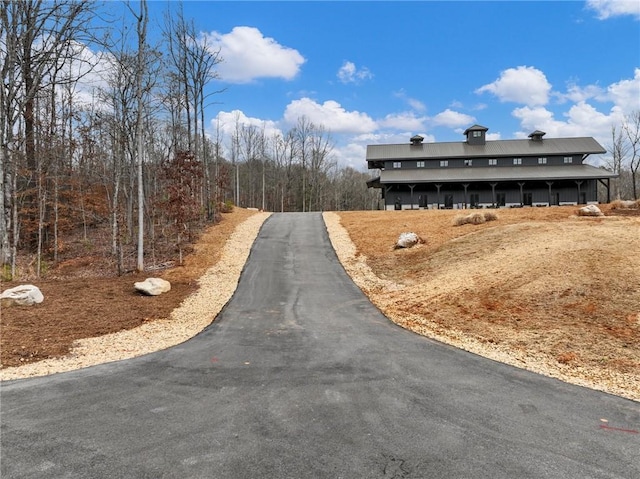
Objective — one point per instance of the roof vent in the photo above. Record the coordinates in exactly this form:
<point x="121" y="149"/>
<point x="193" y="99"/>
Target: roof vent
<point x="537" y="135"/>
<point x="476" y="134"/>
<point x="417" y="140"/>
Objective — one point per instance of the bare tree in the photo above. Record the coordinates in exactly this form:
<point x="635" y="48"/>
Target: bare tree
<point x="303" y="132"/>
<point x="631" y="128"/>
<point x="191" y="64"/>
<point x="141" y="66"/>
<point x="618" y="151"/>
<point x="9" y="112"/>
<point x="38" y="39"/>
<point x="320" y="166"/>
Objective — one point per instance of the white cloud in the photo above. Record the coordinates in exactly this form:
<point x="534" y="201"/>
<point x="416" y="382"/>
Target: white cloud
<point x="613" y="8"/>
<point x="247" y="55"/>
<point x="348" y="73"/>
<point x="352" y="154"/>
<point x="526" y="85"/>
<point x="582" y="119"/>
<point x="452" y="119"/>
<point x="414" y="103"/>
<point x="576" y="93"/>
<point x="90" y="69"/>
<point x="403" y="121"/>
<point x="226" y="122"/>
<point x="625" y="93"/>
<point x="330" y="114"/>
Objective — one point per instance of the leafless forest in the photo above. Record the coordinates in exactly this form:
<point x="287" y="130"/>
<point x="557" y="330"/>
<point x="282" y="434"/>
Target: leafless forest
<point x="132" y="157"/>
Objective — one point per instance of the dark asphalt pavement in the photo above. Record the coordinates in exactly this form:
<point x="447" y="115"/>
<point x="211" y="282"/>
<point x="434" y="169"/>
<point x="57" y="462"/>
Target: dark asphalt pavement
<point x="301" y="377"/>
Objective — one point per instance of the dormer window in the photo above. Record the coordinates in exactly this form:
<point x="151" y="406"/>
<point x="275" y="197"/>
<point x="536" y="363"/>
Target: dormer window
<point x="444" y="163"/>
<point x="397" y="164"/>
<point x="417" y="140"/>
<point x="537" y="135"/>
<point x="476" y="134"/>
<point x="468" y="162"/>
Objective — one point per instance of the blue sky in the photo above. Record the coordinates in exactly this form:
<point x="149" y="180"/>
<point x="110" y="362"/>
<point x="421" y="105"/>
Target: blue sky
<point x="380" y="72"/>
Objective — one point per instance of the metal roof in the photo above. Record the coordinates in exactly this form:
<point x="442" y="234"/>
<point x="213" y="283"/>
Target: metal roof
<point x="494" y="173"/>
<point x="491" y="149"/>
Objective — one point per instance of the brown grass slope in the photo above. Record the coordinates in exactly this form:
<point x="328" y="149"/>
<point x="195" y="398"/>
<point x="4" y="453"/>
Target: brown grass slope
<point x="538" y="288"/>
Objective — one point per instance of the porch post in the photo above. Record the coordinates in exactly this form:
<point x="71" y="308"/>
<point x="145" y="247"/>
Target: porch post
<point x="412" y="187"/>
<point x="578" y="182"/>
<point x="438" y="186"/>
<point x="387" y="189"/>
<point x="521" y="185"/>
<point x="465" y="186"/>
<point x="549" y="183"/>
<point x="493" y="193"/>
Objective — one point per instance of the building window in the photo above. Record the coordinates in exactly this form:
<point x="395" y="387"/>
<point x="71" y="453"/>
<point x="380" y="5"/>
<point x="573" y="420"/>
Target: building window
<point x="468" y="162"/>
<point x="517" y="161"/>
<point x="420" y="164"/>
<point x="542" y="161"/>
<point x="477" y="134"/>
<point x="397" y="164"/>
<point x="568" y="159"/>
<point x="444" y="163"/>
<point x="493" y="162"/>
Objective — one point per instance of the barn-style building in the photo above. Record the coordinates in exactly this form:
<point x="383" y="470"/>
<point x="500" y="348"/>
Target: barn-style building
<point x="480" y="173"/>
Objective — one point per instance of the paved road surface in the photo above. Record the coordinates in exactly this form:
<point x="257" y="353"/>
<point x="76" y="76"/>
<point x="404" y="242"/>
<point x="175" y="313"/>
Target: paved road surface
<point x="301" y="377"/>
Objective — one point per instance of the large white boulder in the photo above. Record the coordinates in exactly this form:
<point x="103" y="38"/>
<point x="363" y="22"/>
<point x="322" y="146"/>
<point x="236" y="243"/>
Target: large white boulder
<point x="153" y="286"/>
<point x="24" y="295"/>
<point x="590" y="210"/>
<point x="407" y="240"/>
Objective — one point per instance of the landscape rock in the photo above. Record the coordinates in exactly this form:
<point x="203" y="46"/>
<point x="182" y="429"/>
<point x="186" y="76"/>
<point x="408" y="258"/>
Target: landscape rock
<point x="590" y="210"/>
<point x="153" y="286"/>
<point x="407" y="240"/>
<point x="628" y="204"/>
<point x="24" y="295"/>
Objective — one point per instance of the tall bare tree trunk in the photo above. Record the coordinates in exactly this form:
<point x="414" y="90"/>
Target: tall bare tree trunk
<point x="142" y="37"/>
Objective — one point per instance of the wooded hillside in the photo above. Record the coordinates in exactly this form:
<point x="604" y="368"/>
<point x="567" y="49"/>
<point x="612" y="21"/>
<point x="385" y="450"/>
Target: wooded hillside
<point x="135" y="160"/>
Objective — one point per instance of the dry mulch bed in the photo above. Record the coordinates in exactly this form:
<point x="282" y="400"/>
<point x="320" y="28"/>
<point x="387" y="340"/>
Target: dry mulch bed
<point x="82" y="303"/>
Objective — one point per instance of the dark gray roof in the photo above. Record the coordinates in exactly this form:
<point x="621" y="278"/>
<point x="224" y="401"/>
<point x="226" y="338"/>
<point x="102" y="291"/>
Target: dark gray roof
<point x="491" y="149"/>
<point x="493" y="173"/>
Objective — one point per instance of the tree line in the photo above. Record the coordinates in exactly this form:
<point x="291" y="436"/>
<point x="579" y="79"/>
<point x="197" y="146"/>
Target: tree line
<point x="624" y="151"/>
<point x="136" y="156"/>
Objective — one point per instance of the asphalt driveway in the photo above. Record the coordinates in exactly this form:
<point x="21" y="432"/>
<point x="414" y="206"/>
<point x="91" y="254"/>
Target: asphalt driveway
<point x="301" y="377"/>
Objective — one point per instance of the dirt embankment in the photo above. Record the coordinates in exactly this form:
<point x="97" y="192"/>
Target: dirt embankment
<point x="540" y="289"/>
